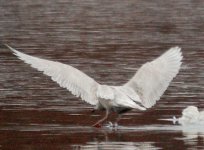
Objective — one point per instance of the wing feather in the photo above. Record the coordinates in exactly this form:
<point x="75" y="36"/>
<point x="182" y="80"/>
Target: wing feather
<point x="77" y="82"/>
<point x="153" y="78"/>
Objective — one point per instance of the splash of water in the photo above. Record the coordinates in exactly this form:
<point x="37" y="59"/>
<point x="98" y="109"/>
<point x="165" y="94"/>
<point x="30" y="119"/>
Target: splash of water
<point x="190" y="115"/>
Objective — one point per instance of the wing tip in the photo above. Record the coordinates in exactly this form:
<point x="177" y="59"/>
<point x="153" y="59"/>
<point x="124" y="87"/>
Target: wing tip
<point x="15" y="52"/>
<point x="9" y="47"/>
<point x="180" y="54"/>
<point x="176" y="51"/>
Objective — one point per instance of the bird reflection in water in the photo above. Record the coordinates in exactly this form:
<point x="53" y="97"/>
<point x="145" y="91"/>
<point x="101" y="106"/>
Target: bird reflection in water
<point x="117" y="145"/>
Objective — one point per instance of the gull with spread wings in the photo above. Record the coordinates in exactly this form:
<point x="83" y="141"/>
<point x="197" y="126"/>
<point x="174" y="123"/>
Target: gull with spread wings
<point x="142" y="91"/>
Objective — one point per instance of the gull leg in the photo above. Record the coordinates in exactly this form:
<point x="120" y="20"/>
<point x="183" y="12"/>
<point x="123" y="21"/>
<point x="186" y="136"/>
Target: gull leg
<point x="93" y="111"/>
<point x="98" y="123"/>
<point x="117" y="120"/>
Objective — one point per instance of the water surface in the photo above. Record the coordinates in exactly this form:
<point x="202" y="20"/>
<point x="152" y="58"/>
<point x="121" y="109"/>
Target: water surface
<point x="108" y="40"/>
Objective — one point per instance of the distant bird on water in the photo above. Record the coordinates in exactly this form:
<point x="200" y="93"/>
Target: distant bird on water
<point x="142" y="91"/>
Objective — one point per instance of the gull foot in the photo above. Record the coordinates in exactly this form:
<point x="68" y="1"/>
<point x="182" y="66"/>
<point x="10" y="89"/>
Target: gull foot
<point x="97" y="125"/>
<point x="110" y="124"/>
<point x="116" y="125"/>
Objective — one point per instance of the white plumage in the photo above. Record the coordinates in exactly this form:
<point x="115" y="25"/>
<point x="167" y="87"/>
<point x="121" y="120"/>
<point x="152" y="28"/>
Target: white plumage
<point x="66" y="76"/>
<point x="141" y="92"/>
<point x="153" y="78"/>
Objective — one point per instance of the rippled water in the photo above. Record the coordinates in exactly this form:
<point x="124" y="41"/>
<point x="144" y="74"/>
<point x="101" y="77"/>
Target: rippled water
<point x="108" y="40"/>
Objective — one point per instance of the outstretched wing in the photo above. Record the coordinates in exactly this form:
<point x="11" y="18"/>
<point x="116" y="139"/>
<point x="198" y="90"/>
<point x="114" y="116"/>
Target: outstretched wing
<point x="77" y="82"/>
<point x="153" y="78"/>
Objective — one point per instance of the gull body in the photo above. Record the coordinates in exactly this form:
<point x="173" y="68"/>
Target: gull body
<point x="142" y="91"/>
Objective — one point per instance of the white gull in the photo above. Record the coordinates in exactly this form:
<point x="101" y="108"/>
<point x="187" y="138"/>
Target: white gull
<point x="142" y="91"/>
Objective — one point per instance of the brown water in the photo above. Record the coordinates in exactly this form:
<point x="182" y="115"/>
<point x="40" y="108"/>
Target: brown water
<point x="108" y="40"/>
